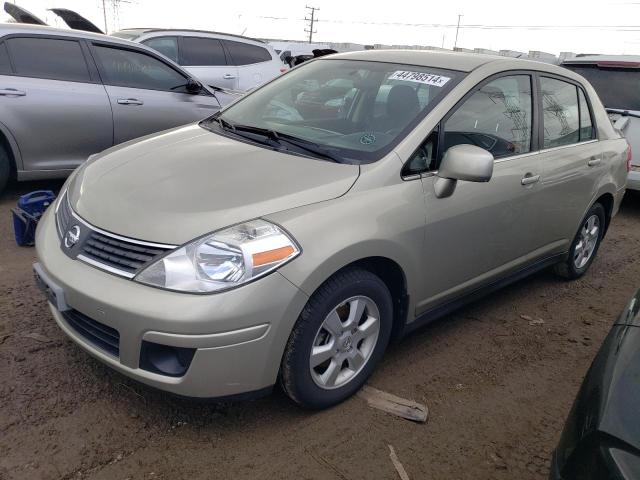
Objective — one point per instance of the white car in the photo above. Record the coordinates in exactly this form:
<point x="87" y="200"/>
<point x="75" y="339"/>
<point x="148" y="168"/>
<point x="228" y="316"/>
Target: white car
<point x="218" y="59"/>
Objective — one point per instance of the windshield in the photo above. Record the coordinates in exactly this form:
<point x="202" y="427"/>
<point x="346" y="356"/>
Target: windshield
<point x="616" y="87"/>
<point x="358" y="110"/>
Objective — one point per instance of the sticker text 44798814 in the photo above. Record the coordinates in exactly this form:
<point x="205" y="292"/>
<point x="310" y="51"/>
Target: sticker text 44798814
<point x="419" y="77"/>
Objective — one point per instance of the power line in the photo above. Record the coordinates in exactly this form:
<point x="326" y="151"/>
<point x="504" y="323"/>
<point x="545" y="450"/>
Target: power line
<point x="311" y="21"/>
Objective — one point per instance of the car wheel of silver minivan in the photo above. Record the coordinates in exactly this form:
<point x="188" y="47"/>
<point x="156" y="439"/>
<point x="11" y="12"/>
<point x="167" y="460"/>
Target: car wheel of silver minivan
<point x="5" y="169"/>
<point x="585" y="244"/>
<point x="338" y="339"/>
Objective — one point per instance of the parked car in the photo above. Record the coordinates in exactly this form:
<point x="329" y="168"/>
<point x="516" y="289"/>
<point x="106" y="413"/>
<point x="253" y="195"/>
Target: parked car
<point x="218" y="258"/>
<point x="67" y="94"/>
<point x="220" y="59"/>
<point x="615" y="79"/>
<point x="601" y="439"/>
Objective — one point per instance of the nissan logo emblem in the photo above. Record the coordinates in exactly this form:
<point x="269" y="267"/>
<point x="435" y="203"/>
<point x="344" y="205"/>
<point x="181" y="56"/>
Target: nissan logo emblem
<point x="72" y="236"/>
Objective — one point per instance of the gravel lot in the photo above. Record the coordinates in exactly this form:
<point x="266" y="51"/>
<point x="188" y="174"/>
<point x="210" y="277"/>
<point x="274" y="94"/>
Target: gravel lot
<point x="498" y="389"/>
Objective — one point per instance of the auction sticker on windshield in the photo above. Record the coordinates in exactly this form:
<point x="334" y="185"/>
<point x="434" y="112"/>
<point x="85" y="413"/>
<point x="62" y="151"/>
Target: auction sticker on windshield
<point x="420" y="77"/>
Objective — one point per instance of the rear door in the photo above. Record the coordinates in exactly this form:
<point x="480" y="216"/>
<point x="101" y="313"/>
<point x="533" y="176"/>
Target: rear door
<point x="254" y="63"/>
<point x="147" y="94"/>
<point x="571" y="160"/>
<point x="207" y="60"/>
<point x="52" y="101"/>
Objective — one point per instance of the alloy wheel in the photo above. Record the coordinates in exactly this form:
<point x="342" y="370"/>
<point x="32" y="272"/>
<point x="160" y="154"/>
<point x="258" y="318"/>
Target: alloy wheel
<point x="344" y="342"/>
<point x="589" y="234"/>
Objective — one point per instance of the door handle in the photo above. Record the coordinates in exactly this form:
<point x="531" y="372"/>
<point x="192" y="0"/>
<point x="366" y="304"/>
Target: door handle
<point x="12" y="92"/>
<point x="529" y="179"/>
<point x="130" y="101"/>
<point x="594" y="162"/>
<point x="228" y="76"/>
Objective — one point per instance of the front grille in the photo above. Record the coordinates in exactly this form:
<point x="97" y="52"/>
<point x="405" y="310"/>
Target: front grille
<point x="119" y="254"/>
<point x="114" y="253"/>
<point x="63" y="215"/>
<point x="96" y="333"/>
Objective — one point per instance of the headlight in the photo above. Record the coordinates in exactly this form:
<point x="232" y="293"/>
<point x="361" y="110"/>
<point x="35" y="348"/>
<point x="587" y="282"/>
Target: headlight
<point x="222" y="260"/>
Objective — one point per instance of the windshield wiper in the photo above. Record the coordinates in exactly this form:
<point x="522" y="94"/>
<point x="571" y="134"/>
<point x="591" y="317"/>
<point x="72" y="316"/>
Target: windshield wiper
<point x="274" y="138"/>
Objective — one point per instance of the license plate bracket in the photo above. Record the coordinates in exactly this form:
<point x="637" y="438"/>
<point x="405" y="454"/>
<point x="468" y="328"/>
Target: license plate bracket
<point x="53" y="292"/>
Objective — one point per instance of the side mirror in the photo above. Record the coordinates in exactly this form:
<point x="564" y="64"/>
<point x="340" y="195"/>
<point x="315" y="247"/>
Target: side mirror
<point x="193" y="86"/>
<point x="463" y="162"/>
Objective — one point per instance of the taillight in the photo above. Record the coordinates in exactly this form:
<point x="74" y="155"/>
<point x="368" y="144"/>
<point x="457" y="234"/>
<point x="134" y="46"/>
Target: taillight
<point x="629" y="157"/>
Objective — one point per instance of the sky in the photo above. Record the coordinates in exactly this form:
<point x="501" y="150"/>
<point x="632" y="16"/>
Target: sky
<point x="554" y="26"/>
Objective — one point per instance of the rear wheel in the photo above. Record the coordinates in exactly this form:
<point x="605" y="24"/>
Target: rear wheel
<point x="585" y="244"/>
<point x="338" y="339"/>
<point x="5" y="168"/>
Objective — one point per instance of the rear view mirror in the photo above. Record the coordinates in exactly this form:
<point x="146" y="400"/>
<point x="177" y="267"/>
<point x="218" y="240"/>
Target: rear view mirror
<point x="463" y="162"/>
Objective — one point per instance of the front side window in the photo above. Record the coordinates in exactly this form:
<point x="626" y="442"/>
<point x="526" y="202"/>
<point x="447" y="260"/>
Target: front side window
<point x="359" y="110"/>
<point x="49" y="58"/>
<point x="167" y="46"/>
<point x="497" y="118"/>
<point x="587" y="132"/>
<point x="560" y="119"/>
<point x="245" y="53"/>
<point x="5" y="65"/>
<point x="202" y="52"/>
<point x="127" y="68"/>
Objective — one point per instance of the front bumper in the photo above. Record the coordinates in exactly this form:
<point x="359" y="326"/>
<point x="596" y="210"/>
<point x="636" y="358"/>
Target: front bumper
<point x="238" y="335"/>
<point x="633" y="180"/>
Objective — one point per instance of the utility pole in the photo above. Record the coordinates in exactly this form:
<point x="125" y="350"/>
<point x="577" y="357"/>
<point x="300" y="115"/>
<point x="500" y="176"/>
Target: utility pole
<point x="104" y="11"/>
<point x="311" y="21"/>
<point x="455" y="44"/>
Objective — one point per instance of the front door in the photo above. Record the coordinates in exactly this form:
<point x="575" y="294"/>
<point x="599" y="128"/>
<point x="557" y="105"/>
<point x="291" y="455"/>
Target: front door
<point x="147" y="95"/>
<point x="483" y="230"/>
<point x="208" y="61"/>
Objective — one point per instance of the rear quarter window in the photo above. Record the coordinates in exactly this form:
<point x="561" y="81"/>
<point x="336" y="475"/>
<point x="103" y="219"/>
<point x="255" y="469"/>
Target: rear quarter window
<point x="246" y="54"/>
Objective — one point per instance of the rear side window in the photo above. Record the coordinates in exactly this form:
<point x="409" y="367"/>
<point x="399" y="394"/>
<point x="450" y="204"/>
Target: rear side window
<point x="5" y="66"/>
<point x="167" y="46"/>
<point x="616" y="87"/>
<point x="246" y="54"/>
<point x="49" y="58"/>
<point x="560" y="112"/>
<point x="127" y="68"/>
<point x="202" y="52"/>
<point x="497" y="118"/>
<point x="586" y="124"/>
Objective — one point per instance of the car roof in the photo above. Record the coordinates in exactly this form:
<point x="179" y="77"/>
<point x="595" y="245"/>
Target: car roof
<point x="13" y="28"/>
<point x="143" y="31"/>
<point x="460" y="61"/>
<point x="621" y="59"/>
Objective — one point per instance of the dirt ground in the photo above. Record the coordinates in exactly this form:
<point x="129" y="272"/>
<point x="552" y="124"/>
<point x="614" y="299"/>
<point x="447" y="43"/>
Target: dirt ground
<point x="498" y="390"/>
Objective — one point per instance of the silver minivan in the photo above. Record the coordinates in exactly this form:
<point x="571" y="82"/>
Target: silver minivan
<point x="291" y="236"/>
<point x="67" y="94"/>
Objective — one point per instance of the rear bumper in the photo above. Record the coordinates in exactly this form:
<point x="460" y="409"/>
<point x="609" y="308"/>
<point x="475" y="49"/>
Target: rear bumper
<point x="633" y="180"/>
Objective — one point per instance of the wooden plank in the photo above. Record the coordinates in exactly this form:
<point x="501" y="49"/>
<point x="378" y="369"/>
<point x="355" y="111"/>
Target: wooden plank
<point x="389" y="403"/>
<point x="402" y="473"/>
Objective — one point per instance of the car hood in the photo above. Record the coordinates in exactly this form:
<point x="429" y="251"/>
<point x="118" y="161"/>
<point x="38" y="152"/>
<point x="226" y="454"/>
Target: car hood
<point x="175" y="186"/>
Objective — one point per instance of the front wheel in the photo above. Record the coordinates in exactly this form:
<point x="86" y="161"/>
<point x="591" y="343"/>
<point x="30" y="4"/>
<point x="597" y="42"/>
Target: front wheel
<point x="585" y="244"/>
<point x="338" y="339"/>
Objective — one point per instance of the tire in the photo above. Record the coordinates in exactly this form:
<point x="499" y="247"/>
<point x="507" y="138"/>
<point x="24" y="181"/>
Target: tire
<point x="584" y="248"/>
<point x="5" y="168"/>
<point x="353" y="351"/>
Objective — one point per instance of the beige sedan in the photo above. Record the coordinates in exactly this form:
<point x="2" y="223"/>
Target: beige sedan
<point x="293" y="235"/>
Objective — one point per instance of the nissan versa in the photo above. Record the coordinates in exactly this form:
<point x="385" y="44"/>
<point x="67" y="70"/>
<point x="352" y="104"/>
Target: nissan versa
<point x="291" y="236"/>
